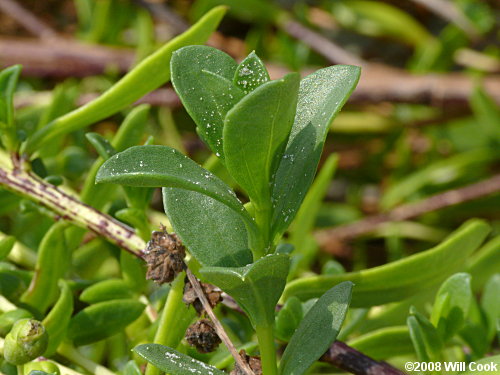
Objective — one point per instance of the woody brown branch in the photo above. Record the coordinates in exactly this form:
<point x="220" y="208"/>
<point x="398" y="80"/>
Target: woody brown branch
<point x="327" y="237"/>
<point x="378" y="83"/>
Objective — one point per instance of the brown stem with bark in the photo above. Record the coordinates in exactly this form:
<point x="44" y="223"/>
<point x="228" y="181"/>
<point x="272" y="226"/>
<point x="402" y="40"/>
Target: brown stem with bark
<point x="348" y="359"/>
<point x="25" y="183"/>
<point x="449" y="198"/>
<point x="218" y="326"/>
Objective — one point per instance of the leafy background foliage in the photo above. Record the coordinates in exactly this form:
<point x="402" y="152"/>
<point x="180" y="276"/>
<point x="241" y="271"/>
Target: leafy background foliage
<point x="424" y="286"/>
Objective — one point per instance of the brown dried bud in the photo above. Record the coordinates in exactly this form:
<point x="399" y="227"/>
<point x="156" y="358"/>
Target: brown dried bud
<point x="164" y="255"/>
<point x="202" y="336"/>
<point x="213" y="294"/>
<point x="254" y="363"/>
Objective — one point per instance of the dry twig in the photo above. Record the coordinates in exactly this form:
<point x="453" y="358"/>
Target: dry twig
<point x="477" y="190"/>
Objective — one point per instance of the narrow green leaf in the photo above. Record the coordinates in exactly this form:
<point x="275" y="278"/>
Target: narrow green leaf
<point x="8" y="84"/>
<point x="202" y="77"/>
<point x="101" y="145"/>
<point x="401" y="279"/>
<point x="321" y="96"/>
<point x="53" y="260"/>
<point x="106" y="290"/>
<point x="288" y="319"/>
<point x="8" y="318"/>
<point x="483" y="264"/>
<point x="452" y="304"/>
<point x="250" y="74"/>
<point x="215" y="234"/>
<point x="417" y="337"/>
<point x="265" y="117"/>
<point x="173" y="362"/>
<point x="131" y="368"/>
<point x="149" y="74"/>
<point x="317" y="331"/>
<point x="6" y="245"/>
<point x="57" y="320"/>
<point x="162" y="166"/>
<point x="384" y="343"/>
<point x="102" y="320"/>
<point x="490" y="303"/>
<point x="256" y="287"/>
<point x="429" y="335"/>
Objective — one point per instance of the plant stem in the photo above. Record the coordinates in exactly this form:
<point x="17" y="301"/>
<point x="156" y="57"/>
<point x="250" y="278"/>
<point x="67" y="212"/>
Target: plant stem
<point x="218" y="326"/>
<point x="265" y="335"/>
<point x="70" y="352"/>
<point x="174" y="320"/>
<point x="21" y="181"/>
<point x="20" y="370"/>
<point x="262" y="219"/>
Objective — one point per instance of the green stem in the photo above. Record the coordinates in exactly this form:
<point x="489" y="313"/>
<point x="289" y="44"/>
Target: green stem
<point x="265" y="335"/>
<point x="174" y="320"/>
<point x="20" y="370"/>
<point x="70" y="352"/>
<point x="263" y="221"/>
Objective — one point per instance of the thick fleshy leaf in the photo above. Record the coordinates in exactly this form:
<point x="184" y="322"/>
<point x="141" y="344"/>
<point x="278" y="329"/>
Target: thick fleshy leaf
<point x="425" y="337"/>
<point x="149" y="74"/>
<point x="384" y="343"/>
<point x="256" y="287"/>
<point x="106" y="290"/>
<point x="102" y="320"/>
<point x="202" y="77"/>
<point x="162" y="166"/>
<point x="490" y="303"/>
<point x="213" y="233"/>
<point x="317" y="331"/>
<point x="8" y="84"/>
<point x="255" y="134"/>
<point x="321" y="96"/>
<point x="452" y="305"/>
<point x="172" y="362"/>
<point x="251" y="73"/>
<point x="403" y="278"/>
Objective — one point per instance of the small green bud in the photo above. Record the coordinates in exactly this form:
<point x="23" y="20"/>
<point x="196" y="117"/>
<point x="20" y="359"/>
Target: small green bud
<point x="45" y="366"/>
<point x="26" y="341"/>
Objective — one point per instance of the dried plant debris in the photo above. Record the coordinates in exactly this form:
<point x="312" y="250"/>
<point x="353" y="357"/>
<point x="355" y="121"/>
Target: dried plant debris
<point x="164" y="255"/>
<point x="254" y="363"/>
<point x="213" y="294"/>
<point x="202" y="336"/>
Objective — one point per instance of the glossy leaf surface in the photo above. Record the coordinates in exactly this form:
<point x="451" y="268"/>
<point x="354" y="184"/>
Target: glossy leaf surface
<point x="317" y="330"/>
<point x="256" y="287"/>
<point x="173" y="362"/>
<point x="212" y="232"/>
<point x="321" y="96"/>
<point x="202" y="77"/>
<point x="250" y="74"/>
<point x="106" y="290"/>
<point x="403" y="278"/>
<point x="162" y="166"/>
<point x="255" y="134"/>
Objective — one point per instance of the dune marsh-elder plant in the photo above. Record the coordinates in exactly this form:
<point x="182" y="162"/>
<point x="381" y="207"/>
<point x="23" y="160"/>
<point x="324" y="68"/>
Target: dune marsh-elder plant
<point x="269" y="136"/>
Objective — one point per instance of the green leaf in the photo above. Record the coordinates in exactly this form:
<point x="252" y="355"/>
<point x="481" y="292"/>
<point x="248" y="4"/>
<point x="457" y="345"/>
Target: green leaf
<point x="317" y="331"/>
<point x="149" y="74"/>
<point x="250" y="74"/>
<point x="162" y="166"/>
<point x="106" y="290"/>
<point x="321" y="96"/>
<point x="401" y="279"/>
<point x="423" y="332"/>
<point x="452" y="305"/>
<point x="487" y="114"/>
<point x="54" y="258"/>
<point x="213" y="233"/>
<point x="484" y="263"/>
<point x="173" y="362"/>
<point x="256" y="287"/>
<point x="255" y="133"/>
<point x="384" y="343"/>
<point x="102" y="320"/>
<point x="490" y="303"/>
<point x="8" y="84"/>
<point x="8" y="318"/>
<point x="6" y="245"/>
<point x="57" y="320"/>
<point x="131" y="368"/>
<point x="488" y="365"/>
<point x="288" y="319"/>
<point x="101" y="145"/>
<point x="202" y="77"/>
